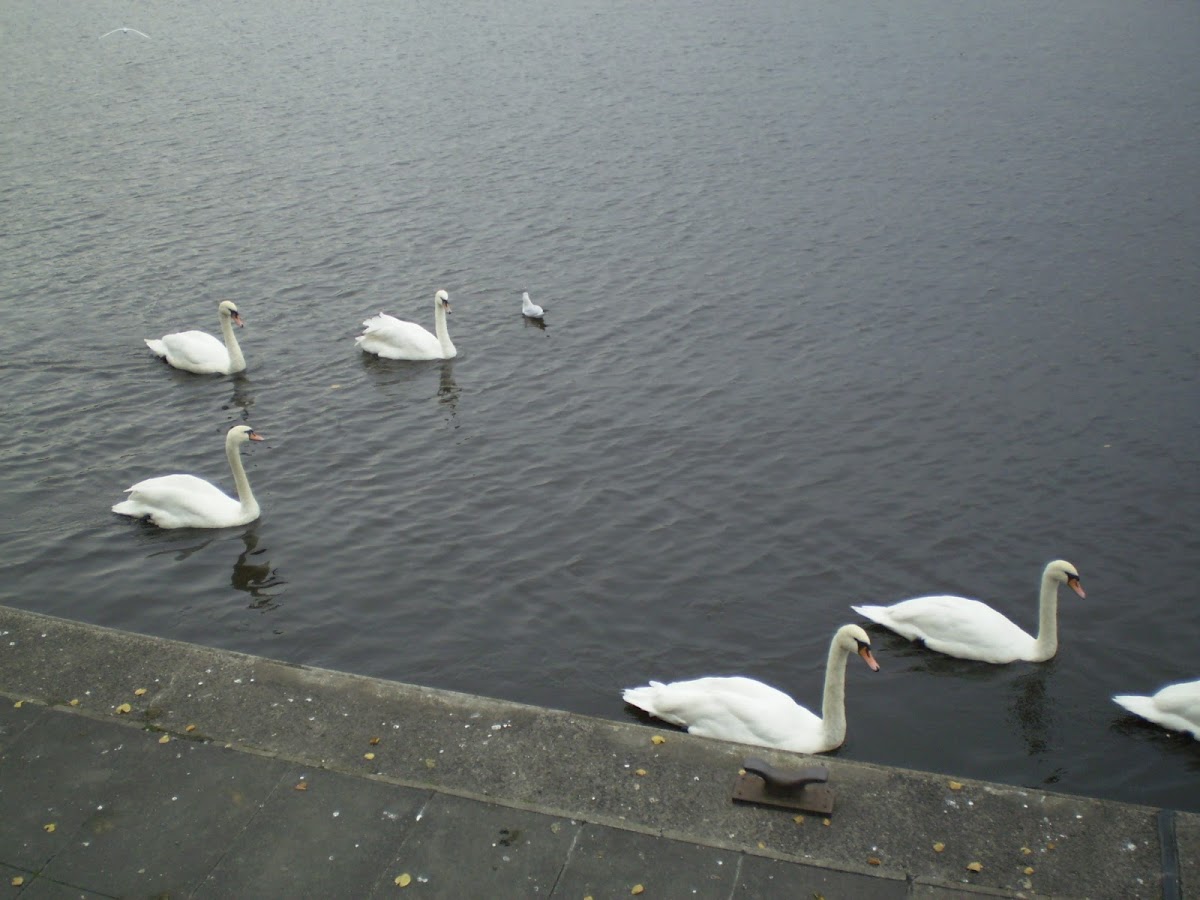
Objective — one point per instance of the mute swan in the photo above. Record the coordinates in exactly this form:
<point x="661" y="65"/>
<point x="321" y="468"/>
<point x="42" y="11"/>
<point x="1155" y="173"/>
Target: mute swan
<point x="529" y="308"/>
<point x="196" y="351"/>
<point x="123" y="31"/>
<point x="969" y="629"/>
<point x="1177" y="706"/>
<point x="750" y="712"/>
<point x="393" y="338"/>
<point x="185" y="501"/>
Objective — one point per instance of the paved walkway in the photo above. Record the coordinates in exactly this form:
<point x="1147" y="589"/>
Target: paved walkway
<point x="143" y="768"/>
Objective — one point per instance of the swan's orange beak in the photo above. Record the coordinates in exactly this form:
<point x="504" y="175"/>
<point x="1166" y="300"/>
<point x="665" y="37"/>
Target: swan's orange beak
<point x="238" y="320"/>
<point x="255" y="436"/>
<point x="865" y="653"/>
<point x="1075" y="585"/>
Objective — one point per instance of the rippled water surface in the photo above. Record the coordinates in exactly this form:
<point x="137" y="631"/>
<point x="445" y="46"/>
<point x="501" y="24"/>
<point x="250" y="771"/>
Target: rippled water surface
<point x="847" y="302"/>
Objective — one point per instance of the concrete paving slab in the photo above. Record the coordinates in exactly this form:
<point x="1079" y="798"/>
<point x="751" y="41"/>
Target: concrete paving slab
<point x="771" y="879"/>
<point x="56" y="776"/>
<point x="159" y="829"/>
<point x="464" y="848"/>
<point x="15" y="719"/>
<point x="611" y="863"/>
<point x="45" y="889"/>
<point x="332" y="839"/>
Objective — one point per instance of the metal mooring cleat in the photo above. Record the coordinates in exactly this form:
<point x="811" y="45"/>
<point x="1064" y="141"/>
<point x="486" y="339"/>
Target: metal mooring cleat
<point x="802" y="789"/>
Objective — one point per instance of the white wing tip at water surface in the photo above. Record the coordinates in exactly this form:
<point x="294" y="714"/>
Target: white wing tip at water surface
<point x="125" y="31"/>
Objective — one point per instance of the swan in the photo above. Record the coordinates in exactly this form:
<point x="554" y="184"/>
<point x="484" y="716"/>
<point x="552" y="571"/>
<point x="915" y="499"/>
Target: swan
<point x="969" y="629"/>
<point x="196" y="351"/>
<point x="529" y="308"/>
<point x="1177" y="706"/>
<point x="124" y="31"/>
<point x="185" y="501"/>
<point x="392" y="338"/>
<point x="750" y="712"/>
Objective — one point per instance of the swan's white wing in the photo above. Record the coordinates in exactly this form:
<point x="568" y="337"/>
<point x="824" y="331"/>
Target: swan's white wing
<point x="115" y="30"/>
<point x="733" y="709"/>
<point x="194" y="351"/>
<point x="394" y="338"/>
<point x="956" y="626"/>
<point x="179" y="501"/>
<point x="1176" y="706"/>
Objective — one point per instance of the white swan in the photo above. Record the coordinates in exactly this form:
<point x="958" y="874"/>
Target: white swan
<point x="529" y="308"/>
<point x="969" y="629"/>
<point x="185" y="501"/>
<point x="394" y="338"/>
<point x="196" y="351"/>
<point x="750" y="712"/>
<point x="1177" y="706"/>
<point x="124" y="31"/>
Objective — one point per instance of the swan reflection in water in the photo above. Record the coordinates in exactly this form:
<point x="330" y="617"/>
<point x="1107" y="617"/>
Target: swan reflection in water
<point x="243" y="396"/>
<point x="1031" y="710"/>
<point x="251" y="574"/>
<point x="254" y="577"/>
<point x="405" y="375"/>
<point x="448" y="389"/>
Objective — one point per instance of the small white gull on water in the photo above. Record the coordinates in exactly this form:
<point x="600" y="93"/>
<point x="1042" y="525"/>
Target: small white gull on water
<point x="529" y="308"/>
<point x="124" y="31"/>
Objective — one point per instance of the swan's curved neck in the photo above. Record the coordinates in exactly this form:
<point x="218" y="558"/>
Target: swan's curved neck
<point x="833" y="707"/>
<point x="237" y="362"/>
<point x="245" y="495"/>
<point x="1047" y="638"/>
<point x="443" y="333"/>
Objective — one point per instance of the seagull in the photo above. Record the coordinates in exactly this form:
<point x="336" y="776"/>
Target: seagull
<point x="124" y="31"/>
<point x="529" y="308"/>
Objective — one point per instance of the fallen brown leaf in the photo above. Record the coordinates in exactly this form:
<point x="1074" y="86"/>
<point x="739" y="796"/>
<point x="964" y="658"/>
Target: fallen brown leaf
<point x="190" y="728"/>
<point x="639" y="772"/>
<point x="50" y="828"/>
<point x="637" y="889"/>
<point x="975" y="867"/>
<point x="302" y="786"/>
<point x="139" y="692"/>
<point x="165" y="739"/>
<point x="956" y="786"/>
<point x="124" y="708"/>
<point x="939" y="847"/>
<point x="1028" y="870"/>
<point x="874" y="861"/>
<point x="374" y="741"/>
<point x="404" y="880"/>
<point x="658" y="739"/>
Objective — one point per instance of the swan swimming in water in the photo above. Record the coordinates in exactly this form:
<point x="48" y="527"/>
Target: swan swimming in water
<point x="124" y="31"/>
<point x="1177" y="707"/>
<point x="529" y="308"/>
<point x="185" y="501"/>
<point x="750" y="712"/>
<point x="392" y="338"/>
<point x="200" y="352"/>
<point x="968" y="629"/>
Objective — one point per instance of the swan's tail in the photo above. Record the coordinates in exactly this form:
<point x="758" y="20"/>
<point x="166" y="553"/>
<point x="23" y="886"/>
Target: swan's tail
<point x="1138" y="705"/>
<point x="644" y="698"/>
<point x="874" y="613"/>
<point x="158" y="347"/>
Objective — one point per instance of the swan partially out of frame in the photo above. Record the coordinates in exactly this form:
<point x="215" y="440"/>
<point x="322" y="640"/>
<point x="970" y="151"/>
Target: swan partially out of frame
<point x="200" y="352"/>
<point x="968" y="629"/>
<point x="1177" y="707"/>
<point x="750" y="712"/>
<point x="392" y="338"/>
<point x="185" y="501"/>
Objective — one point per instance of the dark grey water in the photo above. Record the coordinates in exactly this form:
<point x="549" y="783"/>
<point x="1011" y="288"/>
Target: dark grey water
<point x="847" y="302"/>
